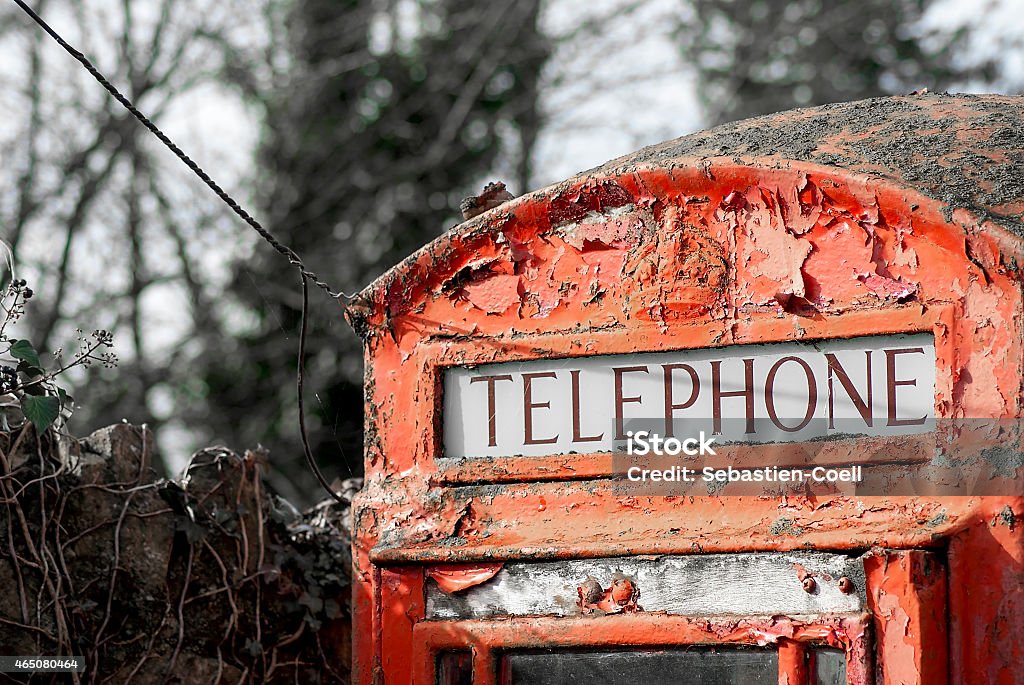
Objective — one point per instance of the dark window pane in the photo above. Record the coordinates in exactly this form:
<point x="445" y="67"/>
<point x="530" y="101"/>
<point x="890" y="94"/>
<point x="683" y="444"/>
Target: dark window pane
<point x="829" y="667"/>
<point x="655" y="667"/>
<point x="455" y="668"/>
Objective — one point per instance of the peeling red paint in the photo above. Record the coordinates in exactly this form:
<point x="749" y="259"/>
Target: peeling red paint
<point x="618" y="230"/>
<point x="457" y="577"/>
<point x="689" y="250"/>
<point x="640" y="629"/>
<point x="908" y="603"/>
<point x="591" y="197"/>
<point x="621" y="596"/>
<point x="887" y="288"/>
<point x="495" y="294"/>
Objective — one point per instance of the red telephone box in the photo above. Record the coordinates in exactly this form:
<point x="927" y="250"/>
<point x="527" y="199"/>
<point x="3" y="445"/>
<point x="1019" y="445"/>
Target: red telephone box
<point x="851" y="270"/>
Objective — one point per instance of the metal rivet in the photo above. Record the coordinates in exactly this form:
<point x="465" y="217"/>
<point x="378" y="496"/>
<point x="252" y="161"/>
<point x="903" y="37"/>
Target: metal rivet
<point x="845" y="585"/>
<point x="809" y="584"/>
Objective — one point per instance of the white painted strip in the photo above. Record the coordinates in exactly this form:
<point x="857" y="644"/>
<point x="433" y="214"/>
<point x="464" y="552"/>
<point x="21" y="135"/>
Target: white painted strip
<point x="756" y="584"/>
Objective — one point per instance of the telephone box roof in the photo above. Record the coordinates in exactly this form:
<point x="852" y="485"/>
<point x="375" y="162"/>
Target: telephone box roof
<point x="964" y="151"/>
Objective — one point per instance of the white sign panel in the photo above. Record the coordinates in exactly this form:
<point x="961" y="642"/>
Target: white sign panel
<point x="878" y="385"/>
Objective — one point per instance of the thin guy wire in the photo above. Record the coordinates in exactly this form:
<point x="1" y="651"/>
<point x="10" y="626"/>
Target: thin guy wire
<point x="288" y="253"/>
<point x="284" y="250"/>
<point x="300" y="374"/>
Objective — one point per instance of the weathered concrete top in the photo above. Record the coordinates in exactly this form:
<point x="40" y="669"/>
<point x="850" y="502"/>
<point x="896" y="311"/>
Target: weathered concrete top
<point x="964" y="151"/>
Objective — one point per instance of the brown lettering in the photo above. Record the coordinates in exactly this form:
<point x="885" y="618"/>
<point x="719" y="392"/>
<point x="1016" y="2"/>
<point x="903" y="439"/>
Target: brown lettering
<point x="891" y="384"/>
<point x="576" y="421"/>
<point x="717" y="394"/>
<point x="529" y="405"/>
<point x="491" y="410"/>
<point x="670" y="405"/>
<point x="619" y="399"/>
<point x="863" y="408"/>
<point x="769" y="393"/>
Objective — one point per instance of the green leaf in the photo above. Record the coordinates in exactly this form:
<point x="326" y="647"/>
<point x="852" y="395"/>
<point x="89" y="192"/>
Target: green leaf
<point x="29" y="371"/>
<point x="41" y="411"/>
<point x="23" y="350"/>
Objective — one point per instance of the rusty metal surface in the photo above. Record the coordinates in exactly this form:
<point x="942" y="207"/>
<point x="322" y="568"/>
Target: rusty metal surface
<point x="897" y="215"/>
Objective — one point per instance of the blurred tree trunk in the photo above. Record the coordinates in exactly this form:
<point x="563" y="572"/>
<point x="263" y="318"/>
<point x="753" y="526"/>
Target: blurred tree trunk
<point x="770" y="55"/>
<point x="393" y="112"/>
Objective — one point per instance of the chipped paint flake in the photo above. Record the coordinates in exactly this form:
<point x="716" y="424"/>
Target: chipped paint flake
<point x="887" y="288"/>
<point x="495" y="294"/>
<point x="458" y="577"/>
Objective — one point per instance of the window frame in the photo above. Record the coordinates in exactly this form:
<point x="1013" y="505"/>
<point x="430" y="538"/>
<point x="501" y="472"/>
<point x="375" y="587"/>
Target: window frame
<point x="488" y="639"/>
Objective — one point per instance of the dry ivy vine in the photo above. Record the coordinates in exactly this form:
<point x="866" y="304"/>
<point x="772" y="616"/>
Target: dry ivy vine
<point x="210" y="579"/>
